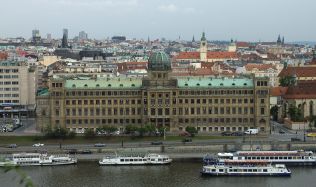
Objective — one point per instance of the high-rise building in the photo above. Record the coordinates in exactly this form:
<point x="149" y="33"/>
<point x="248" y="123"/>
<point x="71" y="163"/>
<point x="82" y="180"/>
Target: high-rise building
<point x="36" y="37"/>
<point x="83" y="35"/>
<point x="49" y="37"/>
<point x="64" y="42"/>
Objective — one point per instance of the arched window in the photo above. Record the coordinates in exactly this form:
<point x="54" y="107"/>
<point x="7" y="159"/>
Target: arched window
<point x="311" y="108"/>
<point x="74" y="86"/>
<point x="85" y="85"/>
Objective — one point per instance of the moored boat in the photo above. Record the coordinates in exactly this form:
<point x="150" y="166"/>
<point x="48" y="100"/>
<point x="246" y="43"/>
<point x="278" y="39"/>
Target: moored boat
<point x="245" y="168"/>
<point x="275" y="157"/>
<point x="37" y="159"/>
<point x="135" y="159"/>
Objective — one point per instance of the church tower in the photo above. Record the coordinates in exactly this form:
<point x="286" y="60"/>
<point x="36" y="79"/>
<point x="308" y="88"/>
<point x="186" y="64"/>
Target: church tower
<point x="203" y="49"/>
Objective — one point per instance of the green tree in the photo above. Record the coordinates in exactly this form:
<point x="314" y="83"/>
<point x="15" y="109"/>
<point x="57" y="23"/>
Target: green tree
<point x="131" y="129"/>
<point x="151" y="129"/>
<point x="191" y="130"/>
<point x="274" y="112"/>
<point x="89" y="133"/>
<point x="296" y="114"/>
<point x="287" y="81"/>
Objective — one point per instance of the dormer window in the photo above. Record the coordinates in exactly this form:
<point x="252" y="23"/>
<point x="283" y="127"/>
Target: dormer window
<point x="233" y="84"/>
<point x="109" y="85"/>
<point x="198" y="84"/>
<point x="74" y="86"/>
<point x="245" y="84"/>
<point x="121" y="85"/>
<point x="98" y="85"/>
<point x="85" y="85"/>
<point x="222" y="84"/>
<point x="186" y="84"/>
<point x="133" y="85"/>
<point x="209" y="84"/>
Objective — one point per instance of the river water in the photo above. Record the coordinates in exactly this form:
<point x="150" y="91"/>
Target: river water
<point x="177" y="174"/>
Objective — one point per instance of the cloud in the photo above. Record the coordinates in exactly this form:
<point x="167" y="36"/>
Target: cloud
<point x="168" y="8"/>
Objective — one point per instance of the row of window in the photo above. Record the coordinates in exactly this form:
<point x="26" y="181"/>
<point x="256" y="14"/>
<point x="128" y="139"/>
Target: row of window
<point x="160" y="101"/>
<point x="216" y="92"/>
<point x="9" y="101"/>
<point x="102" y="93"/>
<point x="9" y="76"/>
<point x="215" y="120"/>
<point x="9" y="95"/>
<point x="9" y="82"/>
<point x="9" y="70"/>
<point x="100" y="121"/>
<point x="160" y="111"/>
<point x="9" y="89"/>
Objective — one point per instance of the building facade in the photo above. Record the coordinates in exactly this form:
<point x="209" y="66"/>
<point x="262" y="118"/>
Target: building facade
<point x="210" y="104"/>
<point x="17" y="89"/>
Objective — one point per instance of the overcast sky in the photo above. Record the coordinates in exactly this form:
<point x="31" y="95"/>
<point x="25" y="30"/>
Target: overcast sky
<point x="244" y="20"/>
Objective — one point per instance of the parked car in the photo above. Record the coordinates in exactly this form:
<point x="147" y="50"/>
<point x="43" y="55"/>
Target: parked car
<point x="72" y="151"/>
<point x="156" y="143"/>
<point x="99" y="145"/>
<point x="187" y="140"/>
<point x="87" y="151"/>
<point x="252" y="131"/>
<point x="237" y="133"/>
<point x="281" y="131"/>
<point x="38" y="145"/>
<point x="12" y="146"/>
<point x="226" y="133"/>
<point x="295" y="140"/>
<point x="311" y="134"/>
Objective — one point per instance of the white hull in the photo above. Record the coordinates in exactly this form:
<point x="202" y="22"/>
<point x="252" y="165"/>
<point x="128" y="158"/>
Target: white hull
<point x="150" y="159"/>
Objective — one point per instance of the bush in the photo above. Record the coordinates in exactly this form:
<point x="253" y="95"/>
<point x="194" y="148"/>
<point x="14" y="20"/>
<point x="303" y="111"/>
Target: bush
<point x="191" y="130"/>
<point x="89" y="133"/>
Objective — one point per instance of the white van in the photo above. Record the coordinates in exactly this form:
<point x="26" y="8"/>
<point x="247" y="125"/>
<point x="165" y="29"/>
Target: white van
<point x="252" y="131"/>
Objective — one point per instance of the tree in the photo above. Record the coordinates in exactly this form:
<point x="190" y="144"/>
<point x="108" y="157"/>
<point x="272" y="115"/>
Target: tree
<point x="89" y="133"/>
<point x="287" y="81"/>
<point x="130" y="129"/>
<point x="191" y="130"/>
<point x="296" y="114"/>
<point x="274" y="112"/>
<point x="151" y="129"/>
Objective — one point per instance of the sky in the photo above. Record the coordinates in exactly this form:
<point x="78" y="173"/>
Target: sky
<point x="242" y="20"/>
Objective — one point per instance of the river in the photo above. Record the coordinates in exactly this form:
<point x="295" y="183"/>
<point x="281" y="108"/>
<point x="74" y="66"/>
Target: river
<point x="86" y="174"/>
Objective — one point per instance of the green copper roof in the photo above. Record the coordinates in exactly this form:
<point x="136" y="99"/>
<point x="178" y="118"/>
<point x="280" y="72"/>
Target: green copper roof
<point x="159" y="61"/>
<point x="113" y="83"/>
<point x="208" y="82"/>
<point x="203" y="38"/>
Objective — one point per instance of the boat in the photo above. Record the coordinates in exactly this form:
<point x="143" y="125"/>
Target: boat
<point x="276" y="157"/>
<point x="135" y="159"/>
<point x="37" y="159"/>
<point x="244" y="168"/>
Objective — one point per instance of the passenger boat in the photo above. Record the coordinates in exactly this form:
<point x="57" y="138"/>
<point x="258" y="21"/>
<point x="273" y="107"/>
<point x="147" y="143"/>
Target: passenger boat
<point x="276" y="157"/>
<point x="135" y="159"/>
<point x="245" y="168"/>
<point x="37" y="159"/>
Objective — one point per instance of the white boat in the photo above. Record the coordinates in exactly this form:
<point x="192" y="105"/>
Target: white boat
<point x="37" y="159"/>
<point x="281" y="157"/>
<point x="135" y="159"/>
<point x="245" y="168"/>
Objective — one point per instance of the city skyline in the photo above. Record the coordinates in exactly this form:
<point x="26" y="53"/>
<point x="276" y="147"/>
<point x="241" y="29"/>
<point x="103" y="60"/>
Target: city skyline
<point x="221" y="20"/>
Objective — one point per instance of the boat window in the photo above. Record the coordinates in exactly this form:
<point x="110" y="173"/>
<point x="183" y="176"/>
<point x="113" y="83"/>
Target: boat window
<point x="271" y="157"/>
<point x="265" y="170"/>
<point x="254" y="170"/>
<point x="221" y="170"/>
<point x="258" y="158"/>
<point x="122" y="160"/>
<point x="213" y="170"/>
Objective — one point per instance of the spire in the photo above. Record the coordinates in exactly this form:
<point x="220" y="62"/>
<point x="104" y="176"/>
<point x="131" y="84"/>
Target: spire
<point x="283" y="40"/>
<point x="279" y="40"/>
<point x="203" y="37"/>
<point x="193" y="40"/>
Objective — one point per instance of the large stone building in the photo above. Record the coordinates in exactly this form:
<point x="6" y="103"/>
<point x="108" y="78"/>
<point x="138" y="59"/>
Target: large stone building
<point x="208" y="103"/>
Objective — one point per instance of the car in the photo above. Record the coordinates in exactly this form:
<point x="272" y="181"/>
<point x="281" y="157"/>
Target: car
<point x="12" y="146"/>
<point x="237" y="133"/>
<point x="38" y="145"/>
<point x="99" y="145"/>
<point x="281" y="131"/>
<point x="86" y="151"/>
<point x="72" y="151"/>
<point x="187" y="140"/>
<point x="311" y="134"/>
<point x="156" y="143"/>
<point x="295" y="140"/>
<point x="226" y="133"/>
<point x="184" y="133"/>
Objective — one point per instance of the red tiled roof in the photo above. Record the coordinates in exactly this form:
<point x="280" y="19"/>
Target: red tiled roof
<point x="243" y="44"/>
<point x="278" y="91"/>
<point x="210" y="55"/>
<point x="303" y="90"/>
<point x="298" y="71"/>
<point x="260" y="67"/>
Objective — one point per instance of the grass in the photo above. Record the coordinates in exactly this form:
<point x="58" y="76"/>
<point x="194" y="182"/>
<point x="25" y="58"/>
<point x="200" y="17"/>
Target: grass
<point x="29" y="140"/>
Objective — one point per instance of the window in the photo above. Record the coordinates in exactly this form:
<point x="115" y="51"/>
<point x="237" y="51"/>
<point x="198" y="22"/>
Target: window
<point x="262" y="111"/>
